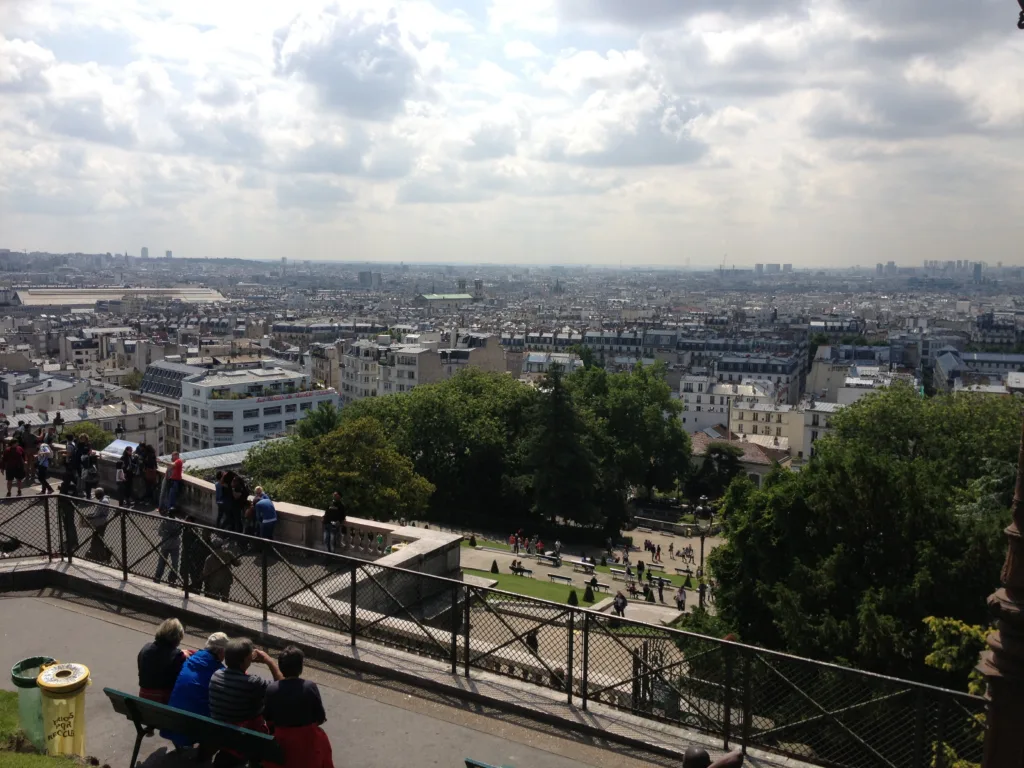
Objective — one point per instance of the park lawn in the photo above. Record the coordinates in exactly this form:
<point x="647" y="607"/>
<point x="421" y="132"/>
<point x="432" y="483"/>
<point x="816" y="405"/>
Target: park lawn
<point x="540" y="587"/>
<point x="8" y="732"/>
<point x="676" y="579"/>
<point x="489" y="543"/>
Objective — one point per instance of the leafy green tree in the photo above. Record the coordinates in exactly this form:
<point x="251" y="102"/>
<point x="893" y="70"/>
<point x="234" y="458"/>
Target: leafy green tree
<point x="325" y="418"/>
<point x="721" y="464"/>
<point x="99" y="438"/>
<point x="357" y="459"/>
<point x="844" y="560"/>
<point x="133" y="380"/>
<point x="564" y="470"/>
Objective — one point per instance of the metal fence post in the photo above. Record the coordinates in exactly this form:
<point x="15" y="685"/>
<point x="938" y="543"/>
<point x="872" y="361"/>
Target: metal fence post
<point x="124" y="546"/>
<point x="49" y="535"/>
<point x="352" y="605"/>
<point x="264" y="549"/>
<point x="465" y="630"/>
<point x="747" y="696"/>
<point x="187" y="544"/>
<point x="585" y="670"/>
<point x="919" y="738"/>
<point x="940" y="734"/>
<point x="455" y="629"/>
<point x="60" y="535"/>
<point x="569" y="661"/>
<point x="727" y="701"/>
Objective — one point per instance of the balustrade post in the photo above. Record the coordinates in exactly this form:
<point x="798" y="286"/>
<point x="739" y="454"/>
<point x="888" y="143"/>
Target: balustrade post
<point x="747" y="696"/>
<point x="465" y="629"/>
<point x="124" y="546"/>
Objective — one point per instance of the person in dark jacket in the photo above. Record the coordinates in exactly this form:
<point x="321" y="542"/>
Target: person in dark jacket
<point x="217" y="575"/>
<point x="160" y="662"/>
<point x="295" y="712"/>
<point x="334" y="519"/>
<point x="193" y="555"/>
<point x="192" y="688"/>
<point x="169" y="548"/>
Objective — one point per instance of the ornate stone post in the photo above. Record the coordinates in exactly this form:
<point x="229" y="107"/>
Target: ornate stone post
<point x="1003" y="663"/>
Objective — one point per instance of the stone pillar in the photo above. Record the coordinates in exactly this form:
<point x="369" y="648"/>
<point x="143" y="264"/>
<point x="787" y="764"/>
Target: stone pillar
<point x="1003" y="663"/>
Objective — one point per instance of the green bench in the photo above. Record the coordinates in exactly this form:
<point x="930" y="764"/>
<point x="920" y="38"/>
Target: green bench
<point x="146" y="714"/>
<point x="477" y="764"/>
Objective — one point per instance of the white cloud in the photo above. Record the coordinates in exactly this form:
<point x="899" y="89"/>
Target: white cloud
<point x="750" y="125"/>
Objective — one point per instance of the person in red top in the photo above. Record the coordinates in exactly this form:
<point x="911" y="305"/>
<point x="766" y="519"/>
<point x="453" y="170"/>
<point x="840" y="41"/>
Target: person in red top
<point x="174" y="480"/>
<point x="14" y="465"/>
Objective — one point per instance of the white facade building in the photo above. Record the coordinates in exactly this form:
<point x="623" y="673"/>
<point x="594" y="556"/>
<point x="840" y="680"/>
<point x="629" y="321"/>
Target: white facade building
<point x="817" y="423"/>
<point x="133" y="422"/>
<point x="230" y="407"/>
<point x="708" y="402"/>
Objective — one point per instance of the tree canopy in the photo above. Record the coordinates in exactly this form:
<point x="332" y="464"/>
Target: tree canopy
<point x="881" y="529"/>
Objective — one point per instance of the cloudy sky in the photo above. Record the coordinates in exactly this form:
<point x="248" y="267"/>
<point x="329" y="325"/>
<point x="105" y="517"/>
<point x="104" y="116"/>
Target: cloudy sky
<point x="831" y="132"/>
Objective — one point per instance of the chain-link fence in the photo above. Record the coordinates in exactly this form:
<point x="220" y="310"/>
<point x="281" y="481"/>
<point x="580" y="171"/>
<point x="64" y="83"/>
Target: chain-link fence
<point x="819" y="713"/>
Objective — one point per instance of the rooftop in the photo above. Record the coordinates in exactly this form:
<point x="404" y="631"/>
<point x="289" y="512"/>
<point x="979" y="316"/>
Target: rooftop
<point x="245" y="376"/>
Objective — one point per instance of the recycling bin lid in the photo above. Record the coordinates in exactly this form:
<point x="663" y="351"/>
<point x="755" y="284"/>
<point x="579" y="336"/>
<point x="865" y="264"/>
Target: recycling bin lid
<point x="26" y="671"/>
<point x="63" y="678"/>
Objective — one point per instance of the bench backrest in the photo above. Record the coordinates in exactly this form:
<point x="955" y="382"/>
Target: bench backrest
<point x="470" y="763"/>
<point x="143" y="712"/>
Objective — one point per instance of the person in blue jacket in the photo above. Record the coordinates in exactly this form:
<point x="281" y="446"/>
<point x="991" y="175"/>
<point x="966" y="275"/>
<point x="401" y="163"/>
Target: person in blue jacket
<point x="192" y="689"/>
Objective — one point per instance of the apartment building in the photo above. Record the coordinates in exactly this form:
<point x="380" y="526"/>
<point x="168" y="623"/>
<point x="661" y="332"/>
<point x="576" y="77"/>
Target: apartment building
<point x="161" y="386"/>
<point x="325" y="364"/>
<point x="817" y="423"/>
<point x="229" y="407"/>
<point x="33" y="391"/>
<point x="134" y="422"/>
<point x="783" y="423"/>
<point x="785" y="374"/>
<point x="708" y="402"/>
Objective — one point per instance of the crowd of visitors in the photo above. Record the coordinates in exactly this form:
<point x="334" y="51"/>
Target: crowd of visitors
<point x="216" y="682"/>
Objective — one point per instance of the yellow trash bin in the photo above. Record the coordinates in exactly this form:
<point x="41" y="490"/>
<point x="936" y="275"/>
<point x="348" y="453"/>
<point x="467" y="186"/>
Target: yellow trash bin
<point x="63" y="688"/>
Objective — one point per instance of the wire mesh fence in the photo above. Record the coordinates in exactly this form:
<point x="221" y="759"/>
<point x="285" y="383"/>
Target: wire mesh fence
<point x="819" y="713"/>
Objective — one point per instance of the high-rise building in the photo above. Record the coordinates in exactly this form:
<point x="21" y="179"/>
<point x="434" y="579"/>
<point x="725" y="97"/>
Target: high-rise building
<point x="145" y="252"/>
<point x="878" y="269"/>
<point x="977" y="271"/>
<point x="787" y="267"/>
<point x="167" y="255"/>
<point x="772" y="268"/>
<point x="759" y="269"/>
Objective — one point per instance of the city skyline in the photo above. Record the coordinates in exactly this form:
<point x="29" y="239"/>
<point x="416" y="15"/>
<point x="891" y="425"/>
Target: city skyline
<point x="822" y="134"/>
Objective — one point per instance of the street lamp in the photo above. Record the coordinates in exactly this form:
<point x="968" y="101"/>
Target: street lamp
<point x="704" y="518"/>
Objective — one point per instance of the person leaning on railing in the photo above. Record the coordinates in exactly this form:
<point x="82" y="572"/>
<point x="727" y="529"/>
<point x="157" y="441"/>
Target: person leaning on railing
<point x="334" y="519"/>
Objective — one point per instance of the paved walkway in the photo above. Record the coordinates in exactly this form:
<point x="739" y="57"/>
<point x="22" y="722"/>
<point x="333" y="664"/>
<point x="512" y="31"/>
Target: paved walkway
<point x="367" y="725"/>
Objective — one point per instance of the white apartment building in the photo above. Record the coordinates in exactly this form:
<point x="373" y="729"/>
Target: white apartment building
<point x="230" y="407"/>
<point x="708" y="402"/>
<point x="325" y="364"/>
<point x="817" y="423"/>
<point x="33" y="392"/>
<point x="134" y="422"/>
<point x="781" y="422"/>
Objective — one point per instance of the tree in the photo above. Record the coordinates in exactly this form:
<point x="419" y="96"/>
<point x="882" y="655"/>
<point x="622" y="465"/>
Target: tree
<point x="133" y="380"/>
<point x="325" y="418"/>
<point x="357" y="459"/>
<point x="844" y="560"/>
<point x="99" y="438"/>
<point x="721" y="464"/>
<point x="564" y="472"/>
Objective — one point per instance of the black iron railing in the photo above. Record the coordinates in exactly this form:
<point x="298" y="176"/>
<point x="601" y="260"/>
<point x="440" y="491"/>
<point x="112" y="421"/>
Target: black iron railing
<point x="820" y="713"/>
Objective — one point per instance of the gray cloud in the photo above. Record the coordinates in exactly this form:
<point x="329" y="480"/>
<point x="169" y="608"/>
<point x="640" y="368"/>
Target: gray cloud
<point x="895" y="112"/>
<point x="87" y="118"/>
<point x="312" y="193"/>
<point x="220" y="93"/>
<point x="491" y="141"/>
<point x="226" y="138"/>
<point x="646" y="13"/>
<point x="328" y="157"/>
<point x="358" y="66"/>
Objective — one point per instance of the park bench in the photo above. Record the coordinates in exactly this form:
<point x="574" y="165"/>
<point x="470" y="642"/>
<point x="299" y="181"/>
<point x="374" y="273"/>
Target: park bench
<point x="214" y="734"/>
<point x="603" y="587"/>
<point x="644" y="529"/>
<point x="477" y="764"/>
<point x="522" y="572"/>
<point x="550" y="560"/>
<point x="684" y="571"/>
<point x="618" y="574"/>
<point x="661" y="580"/>
<point x="656" y="567"/>
<point x="579" y="567"/>
<point x="556" y="577"/>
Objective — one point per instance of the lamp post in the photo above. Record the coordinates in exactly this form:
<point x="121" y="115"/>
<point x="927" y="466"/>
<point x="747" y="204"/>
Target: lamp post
<point x="1003" y="663"/>
<point x="704" y="516"/>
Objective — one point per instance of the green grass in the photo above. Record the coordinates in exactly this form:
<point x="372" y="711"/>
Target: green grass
<point x="489" y="543"/>
<point x="539" y="587"/>
<point x="670" y="574"/>
<point x="8" y="731"/>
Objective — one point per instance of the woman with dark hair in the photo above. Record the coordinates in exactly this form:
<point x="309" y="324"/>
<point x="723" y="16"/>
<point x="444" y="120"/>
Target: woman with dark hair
<point x="128" y="465"/>
<point x="151" y="474"/>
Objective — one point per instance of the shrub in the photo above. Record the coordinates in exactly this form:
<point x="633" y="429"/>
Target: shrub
<point x="494" y="566"/>
<point x="588" y="595"/>
<point x="472" y="540"/>
<point x="604" y="561"/>
<point x="573" y="600"/>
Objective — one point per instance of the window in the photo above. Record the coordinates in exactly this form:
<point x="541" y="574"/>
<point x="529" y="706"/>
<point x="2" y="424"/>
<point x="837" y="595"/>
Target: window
<point x="223" y="416"/>
<point x="272" y="411"/>
<point x="251" y="413"/>
<point x="698" y="409"/>
<point x="206" y="430"/>
<point x="290" y="422"/>
<point x="291" y="408"/>
<point x="206" y="444"/>
<point x="753" y="430"/>
<point x="108" y="426"/>
<point x="185" y="440"/>
<point x="698" y="398"/>
<point x="195" y="411"/>
<point x="778" y="418"/>
<point x="814" y="420"/>
<point x="814" y="436"/>
<point x="184" y="425"/>
<point x="195" y="391"/>
<point x="142" y="423"/>
<point x="305" y="406"/>
<point x="204" y="414"/>
<point x="740" y="417"/>
<point x="251" y="428"/>
<point x="223" y="430"/>
<point x="741" y="429"/>
<point x="778" y="431"/>
<point x="272" y="426"/>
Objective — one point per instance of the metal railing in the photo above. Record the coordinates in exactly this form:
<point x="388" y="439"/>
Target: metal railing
<point x="820" y="713"/>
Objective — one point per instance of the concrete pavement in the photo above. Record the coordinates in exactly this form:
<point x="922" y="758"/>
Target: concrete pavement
<point x="368" y="725"/>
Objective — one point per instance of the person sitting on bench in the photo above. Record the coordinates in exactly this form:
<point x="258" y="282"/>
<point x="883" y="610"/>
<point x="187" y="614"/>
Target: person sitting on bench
<point x="192" y="688"/>
<point x="695" y="757"/>
<point x="160" y="662"/>
<point x="237" y="697"/>
<point x="295" y="712"/>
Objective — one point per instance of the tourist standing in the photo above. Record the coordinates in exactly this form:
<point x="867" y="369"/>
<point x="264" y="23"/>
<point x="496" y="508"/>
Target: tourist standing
<point x="619" y="604"/>
<point x="14" y="466"/>
<point x="151" y="475"/>
<point x="334" y="519"/>
<point x="266" y="514"/>
<point x="43" y="467"/>
<point x="169" y="548"/>
<point x="175" y="479"/>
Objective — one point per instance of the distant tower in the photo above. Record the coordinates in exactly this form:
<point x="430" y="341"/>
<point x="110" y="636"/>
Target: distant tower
<point x="145" y="252"/>
<point x="462" y="286"/>
<point x="478" y="290"/>
<point x="167" y="255"/>
<point x="284" y="264"/>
